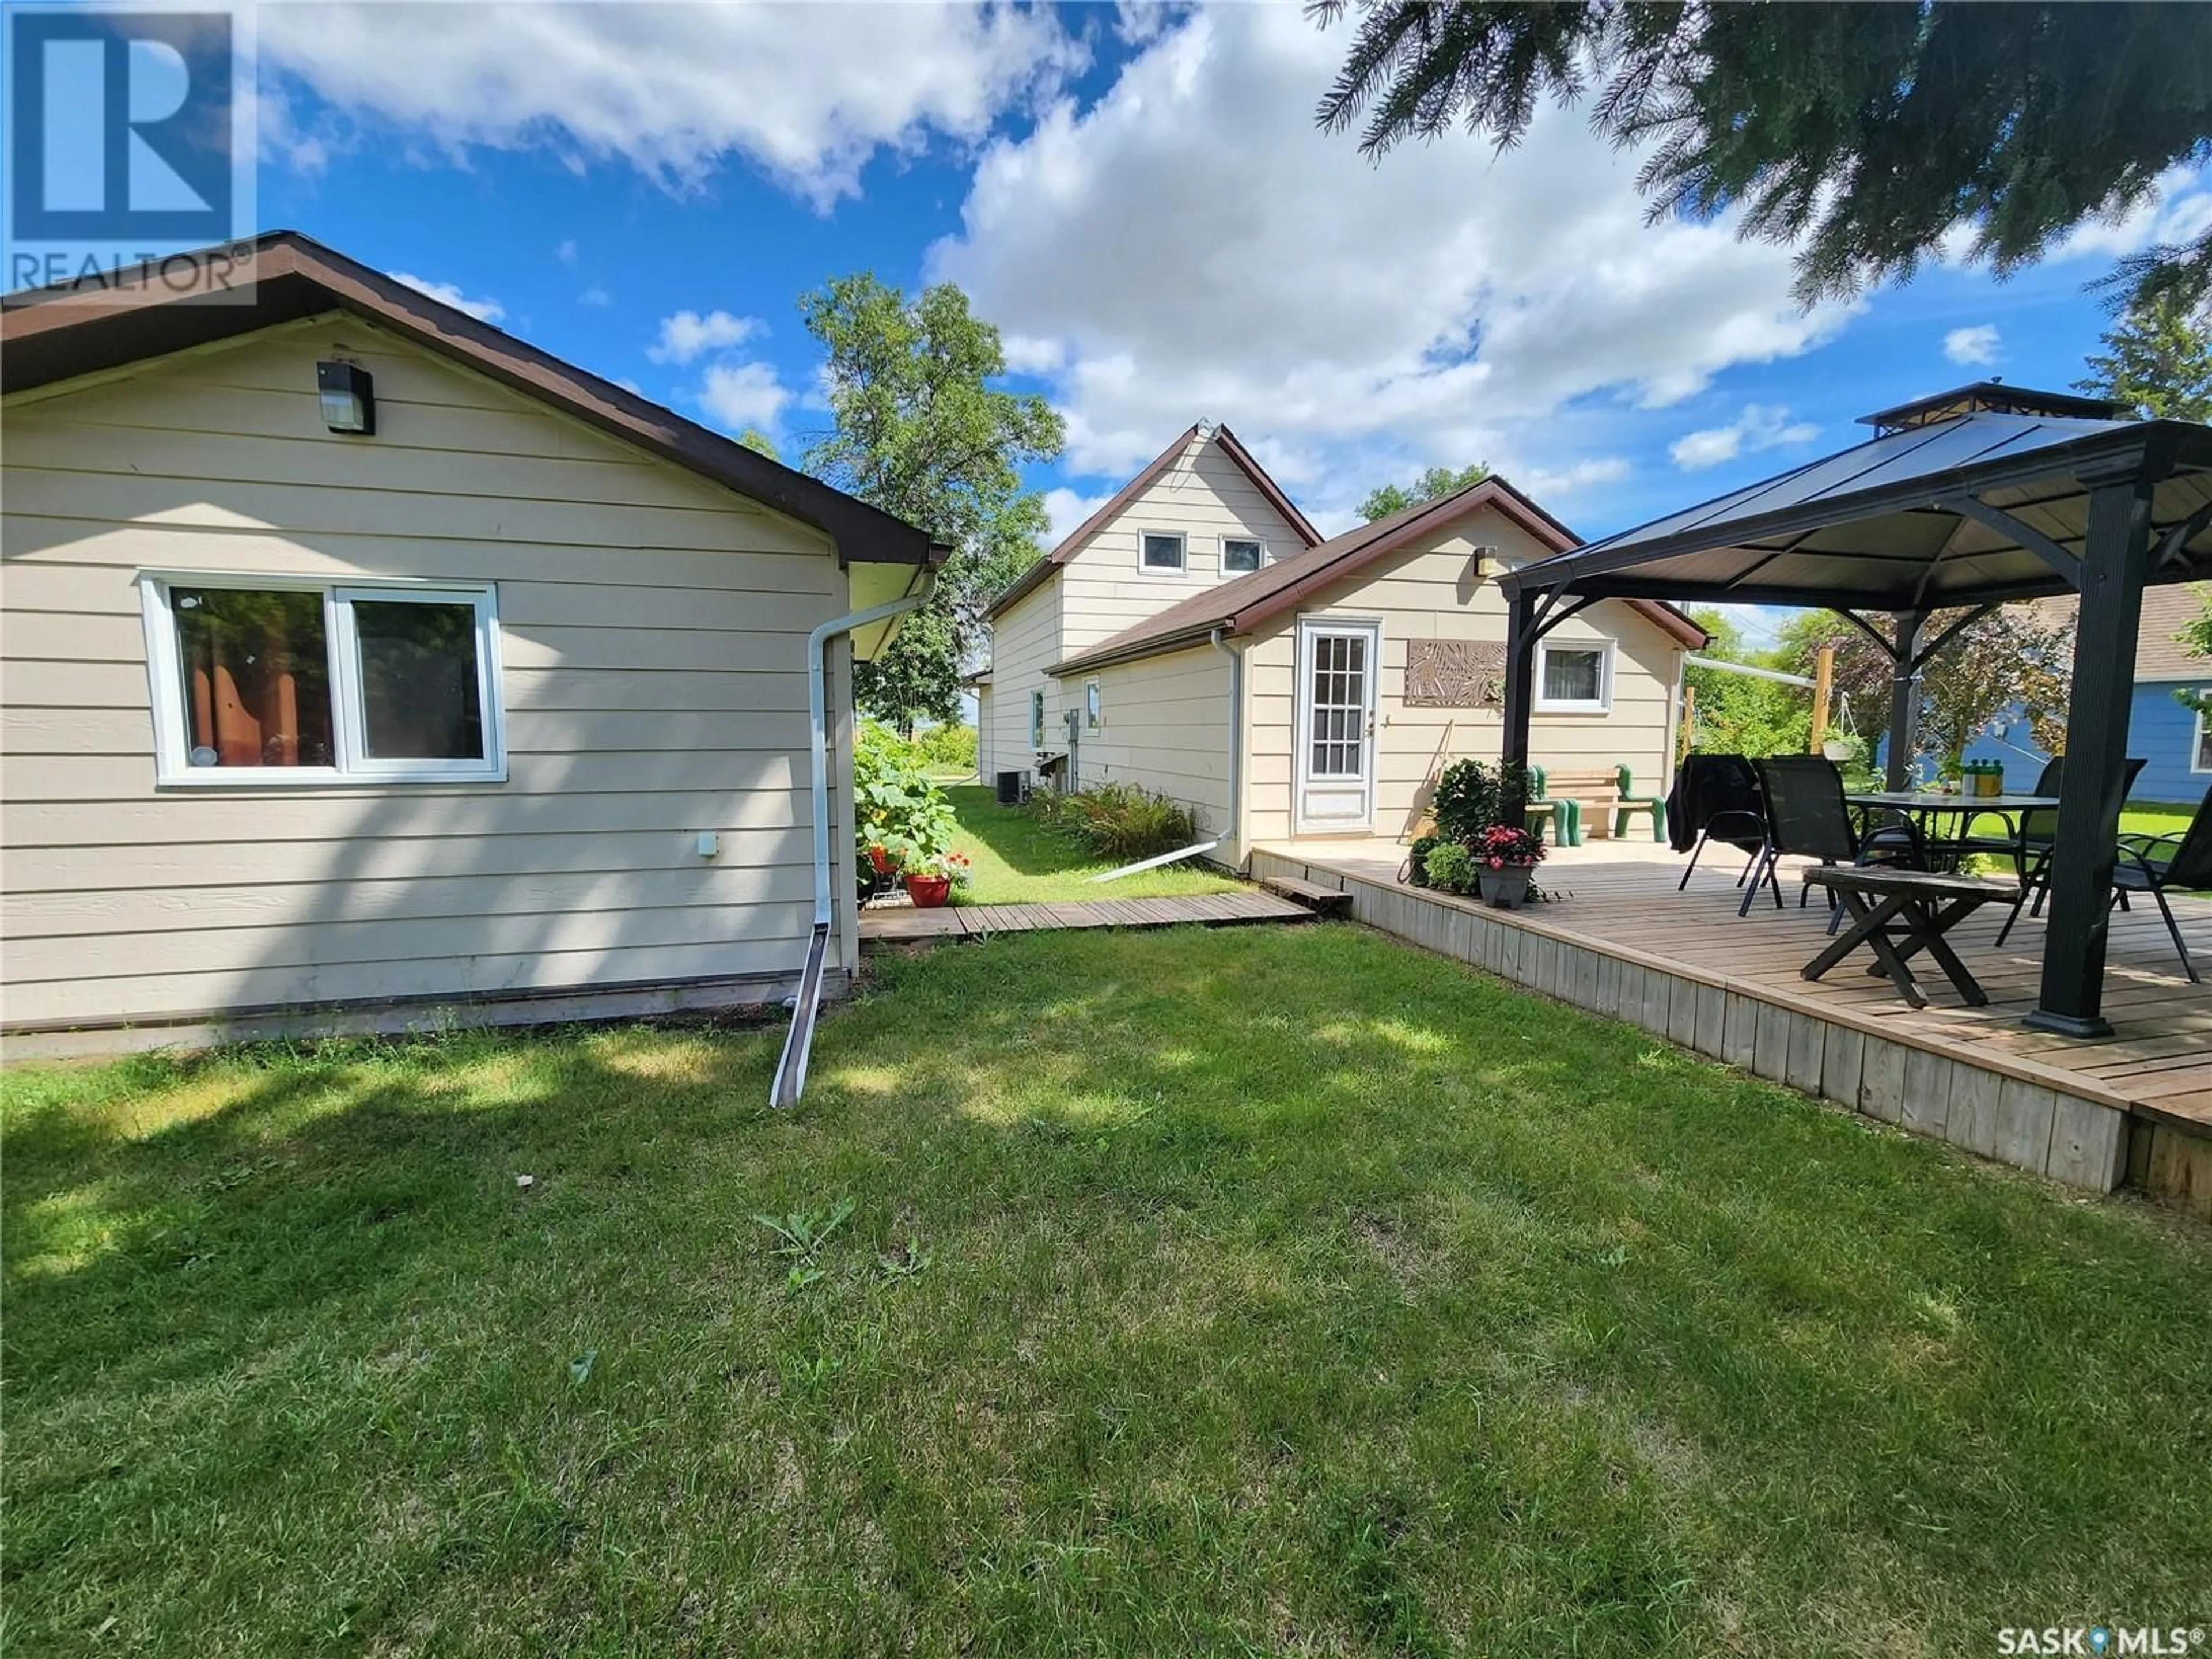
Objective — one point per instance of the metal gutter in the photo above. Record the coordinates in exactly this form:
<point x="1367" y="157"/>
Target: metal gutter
<point x="791" y="1069"/>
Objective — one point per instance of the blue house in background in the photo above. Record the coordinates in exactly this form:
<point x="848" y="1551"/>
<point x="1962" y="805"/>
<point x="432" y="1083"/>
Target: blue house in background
<point x="2173" y="740"/>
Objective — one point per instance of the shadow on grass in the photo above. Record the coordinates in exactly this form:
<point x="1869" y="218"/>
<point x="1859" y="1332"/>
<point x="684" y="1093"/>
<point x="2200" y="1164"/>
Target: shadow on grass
<point x="1017" y="835"/>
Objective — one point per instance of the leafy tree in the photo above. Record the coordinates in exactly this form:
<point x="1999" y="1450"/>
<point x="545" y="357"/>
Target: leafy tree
<point x="759" y="442"/>
<point x="921" y="431"/>
<point x="1438" y="481"/>
<point x="1866" y="132"/>
<point x="2019" y="654"/>
<point x="2197" y="634"/>
<point x="1739" y="714"/>
<point x="2157" y="357"/>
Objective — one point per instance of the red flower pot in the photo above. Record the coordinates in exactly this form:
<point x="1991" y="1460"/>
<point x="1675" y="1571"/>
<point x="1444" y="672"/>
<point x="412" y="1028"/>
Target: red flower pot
<point x="928" y="892"/>
<point x="881" y="860"/>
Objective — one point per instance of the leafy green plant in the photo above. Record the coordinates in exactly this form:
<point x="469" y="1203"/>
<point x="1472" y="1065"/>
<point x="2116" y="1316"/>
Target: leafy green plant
<point x="949" y="747"/>
<point x="1121" y="821"/>
<point x="1417" y="860"/>
<point x="1471" y="796"/>
<point x="896" y="808"/>
<point x="1450" y="867"/>
<point x="802" y="1233"/>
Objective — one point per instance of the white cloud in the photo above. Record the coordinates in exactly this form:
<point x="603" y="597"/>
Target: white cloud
<point x="2178" y="208"/>
<point x="1194" y="246"/>
<point x="1066" y="508"/>
<point x="595" y="295"/>
<point x="738" y="395"/>
<point x="566" y="254"/>
<point x="1026" y="355"/>
<point x="1761" y="426"/>
<point x="808" y="94"/>
<point x="687" y="334"/>
<point x="1546" y="483"/>
<point x="484" y="310"/>
<point x="1977" y="344"/>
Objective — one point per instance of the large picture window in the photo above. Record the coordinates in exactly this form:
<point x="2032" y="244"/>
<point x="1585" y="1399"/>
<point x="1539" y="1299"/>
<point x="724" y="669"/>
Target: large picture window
<point x="257" y="680"/>
<point x="2200" y="758"/>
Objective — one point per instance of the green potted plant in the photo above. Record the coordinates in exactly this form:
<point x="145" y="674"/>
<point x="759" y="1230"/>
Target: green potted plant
<point x="1504" y="859"/>
<point x="1448" y="868"/>
<point x="931" y="877"/>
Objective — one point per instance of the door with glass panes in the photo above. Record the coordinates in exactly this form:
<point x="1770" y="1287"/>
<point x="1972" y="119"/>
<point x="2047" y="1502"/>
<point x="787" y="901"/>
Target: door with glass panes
<point x="1338" y="665"/>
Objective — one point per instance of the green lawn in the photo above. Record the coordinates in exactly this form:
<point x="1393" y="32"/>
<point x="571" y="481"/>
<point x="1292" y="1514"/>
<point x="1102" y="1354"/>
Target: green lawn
<point x="2150" y="818"/>
<point x="1266" y="1291"/>
<point x="1017" y="860"/>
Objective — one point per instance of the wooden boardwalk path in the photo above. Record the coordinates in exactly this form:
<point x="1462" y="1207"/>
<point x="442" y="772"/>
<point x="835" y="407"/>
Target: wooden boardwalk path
<point x="902" y="924"/>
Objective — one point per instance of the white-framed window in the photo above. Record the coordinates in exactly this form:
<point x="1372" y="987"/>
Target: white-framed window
<point x="1036" y="720"/>
<point x="1241" y="555"/>
<point x="2200" y="752"/>
<point x="270" y="680"/>
<point x="1574" y="679"/>
<point x="1094" y="712"/>
<point x="1161" y="550"/>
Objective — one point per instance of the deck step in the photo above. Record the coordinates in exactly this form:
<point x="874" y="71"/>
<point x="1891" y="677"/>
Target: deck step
<point x="1322" y="901"/>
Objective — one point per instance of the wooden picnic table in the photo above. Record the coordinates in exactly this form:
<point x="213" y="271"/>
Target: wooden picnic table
<point x="1897" y="914"/>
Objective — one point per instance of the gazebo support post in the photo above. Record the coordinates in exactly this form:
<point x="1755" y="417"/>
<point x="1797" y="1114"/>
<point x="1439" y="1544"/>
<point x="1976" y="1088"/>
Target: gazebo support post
<point x="1904" y="699"/>
<point x="2115" y="562"/>
<point x="1520" y="693"/>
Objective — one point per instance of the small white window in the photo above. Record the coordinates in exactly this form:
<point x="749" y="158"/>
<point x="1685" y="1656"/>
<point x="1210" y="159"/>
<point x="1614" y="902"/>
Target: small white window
<point x="2201" y="756"/>
<point x="1240" y="554"/>
<point x="1036" y="720"/>
<point x="1093" y="712"/>
<point x="1162" y="551"/>
<point x="260" y="681"/>
<point x="1574" y="679"/>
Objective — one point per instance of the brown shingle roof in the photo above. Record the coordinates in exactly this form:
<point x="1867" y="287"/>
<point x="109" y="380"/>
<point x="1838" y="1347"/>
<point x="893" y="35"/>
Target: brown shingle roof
<point x="1239" y="605"/>
<point x="1070" y="544"/>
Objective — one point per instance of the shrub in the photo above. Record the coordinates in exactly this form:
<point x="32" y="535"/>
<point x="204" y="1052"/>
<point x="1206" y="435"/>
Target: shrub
<point x="1450" y="867"/>
<point x="1417" y="862"/>
<point x="1470" y="797"/>
<point x="894" y="805"/>
<point x="1119" y="821"/>
<point x="948" y="748"/>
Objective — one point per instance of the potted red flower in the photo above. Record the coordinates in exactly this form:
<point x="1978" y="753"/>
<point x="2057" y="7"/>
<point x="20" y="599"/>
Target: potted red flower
<point x="1504" y="859"/>
<point x="930" y="878"/>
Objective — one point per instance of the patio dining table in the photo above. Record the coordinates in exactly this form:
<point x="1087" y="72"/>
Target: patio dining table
<point x="1924" y="807"/>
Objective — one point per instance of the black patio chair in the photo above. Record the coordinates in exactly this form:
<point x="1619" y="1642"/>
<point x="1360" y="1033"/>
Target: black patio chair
<point x="2031" y="848"/>
<point x="2151" y="864"/>
<point x="1807" y="816"/>
<point x="1715" y="798"/>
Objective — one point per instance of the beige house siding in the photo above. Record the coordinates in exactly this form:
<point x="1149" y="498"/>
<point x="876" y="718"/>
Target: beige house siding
<point x="1164" y="723"/>
<point x="1205" y="495"/>
<point x="1431" y="593"/>
<point x="652" y="631"/>
<point x="1024" y="643"/>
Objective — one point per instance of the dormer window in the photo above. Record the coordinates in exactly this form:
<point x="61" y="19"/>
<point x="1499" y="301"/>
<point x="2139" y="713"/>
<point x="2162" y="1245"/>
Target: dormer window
<point x="1241" y="554"/>
<point x="1161" y="550"/>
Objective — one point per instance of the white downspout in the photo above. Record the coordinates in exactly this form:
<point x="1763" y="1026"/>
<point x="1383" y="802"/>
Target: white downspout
<point x="791" y="1070"/>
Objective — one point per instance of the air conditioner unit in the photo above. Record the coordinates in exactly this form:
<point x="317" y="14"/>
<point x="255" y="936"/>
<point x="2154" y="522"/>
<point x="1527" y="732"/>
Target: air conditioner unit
<point x="1013" y="788"/>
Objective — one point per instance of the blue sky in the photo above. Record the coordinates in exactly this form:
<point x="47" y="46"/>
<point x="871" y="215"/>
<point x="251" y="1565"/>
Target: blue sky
<point x="1137" y="197"/>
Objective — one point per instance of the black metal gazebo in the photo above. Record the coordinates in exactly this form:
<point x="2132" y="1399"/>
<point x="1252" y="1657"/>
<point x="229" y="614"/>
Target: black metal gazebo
<point x="1971" y="498"/>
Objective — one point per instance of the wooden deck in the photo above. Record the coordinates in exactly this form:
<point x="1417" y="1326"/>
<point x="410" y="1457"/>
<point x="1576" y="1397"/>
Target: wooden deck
<point x="903" y="923"/>
<point x="1624" y="942"/>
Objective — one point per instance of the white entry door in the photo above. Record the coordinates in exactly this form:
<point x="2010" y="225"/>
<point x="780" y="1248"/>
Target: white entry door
<point x="1337" y="665"/>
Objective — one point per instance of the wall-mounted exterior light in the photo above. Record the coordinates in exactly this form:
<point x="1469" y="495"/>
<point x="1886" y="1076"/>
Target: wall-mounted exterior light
<point x="348" y="398"/>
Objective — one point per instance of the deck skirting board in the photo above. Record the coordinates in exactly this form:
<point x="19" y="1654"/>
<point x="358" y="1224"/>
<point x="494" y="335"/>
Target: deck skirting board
<point x="2006" y="1109"/>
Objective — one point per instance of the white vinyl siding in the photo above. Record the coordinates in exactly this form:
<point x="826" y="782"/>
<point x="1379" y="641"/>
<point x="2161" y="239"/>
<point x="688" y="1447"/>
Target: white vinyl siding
<point x="1024" y="643"/>
<point x="653" y="627"/>
<point x="1164" y="724"/>
<point x="1206" y="498"/>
